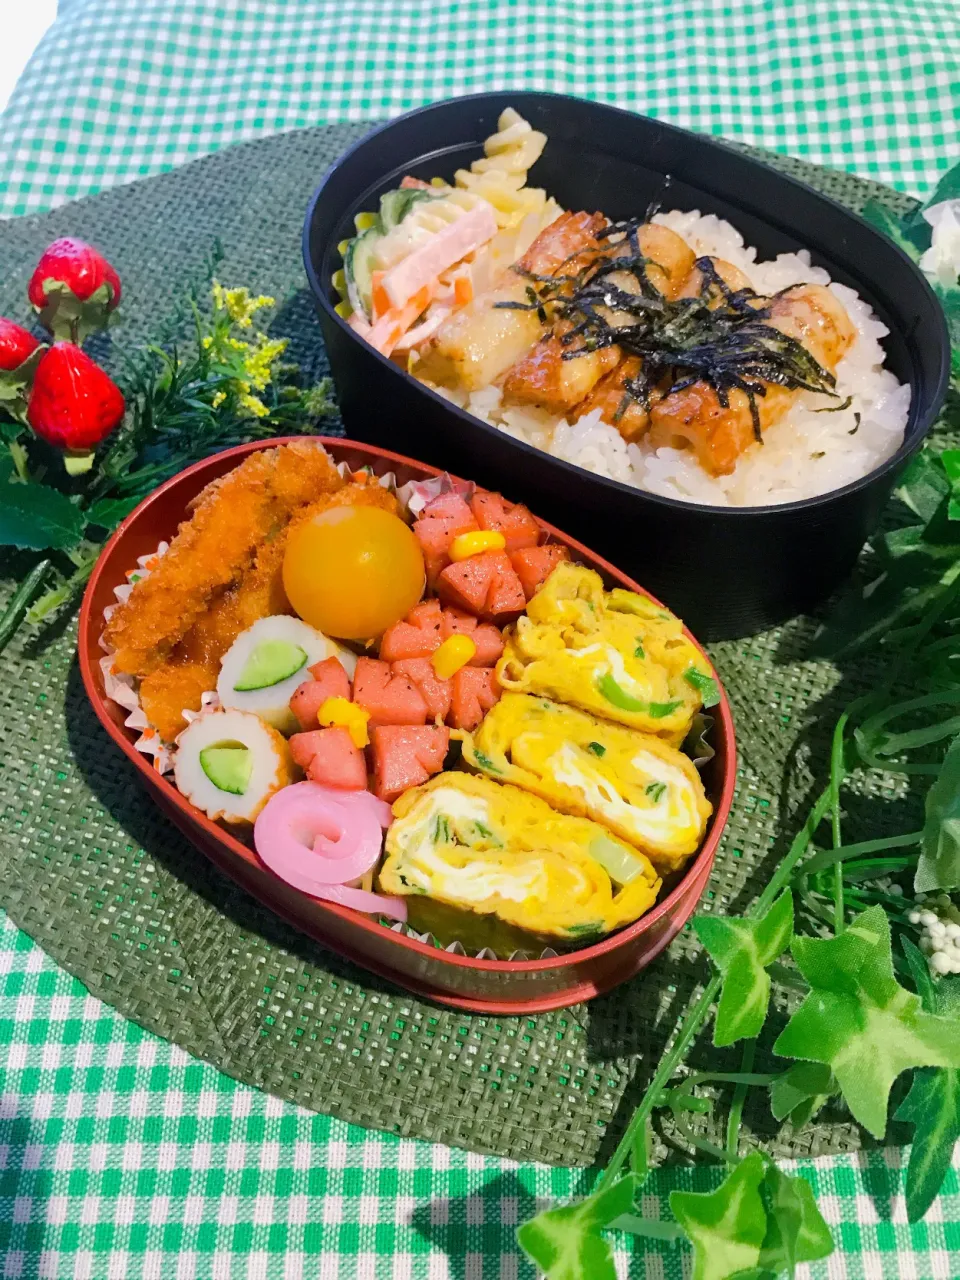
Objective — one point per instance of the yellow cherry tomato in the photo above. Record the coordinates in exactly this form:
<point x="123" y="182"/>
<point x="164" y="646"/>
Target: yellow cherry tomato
<point x="351" y="572"/>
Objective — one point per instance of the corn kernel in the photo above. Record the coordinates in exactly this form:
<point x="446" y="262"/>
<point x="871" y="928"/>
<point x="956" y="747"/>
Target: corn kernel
<point x="364" y="221"/>
<point x="453" y="654"/>
<point x="465" y="545"/>
<point x="347" y="715"/>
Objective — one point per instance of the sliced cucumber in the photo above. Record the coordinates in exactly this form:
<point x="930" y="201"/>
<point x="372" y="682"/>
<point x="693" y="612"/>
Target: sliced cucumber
<point x="228" y="767"/>
<point x="395" y="205"/>
<point x="270" y="663"/>
<point x="358" y="270"/>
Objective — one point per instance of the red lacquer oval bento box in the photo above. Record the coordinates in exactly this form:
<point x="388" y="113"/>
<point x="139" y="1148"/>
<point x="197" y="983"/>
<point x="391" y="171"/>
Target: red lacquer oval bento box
<point x="478" y="986"/>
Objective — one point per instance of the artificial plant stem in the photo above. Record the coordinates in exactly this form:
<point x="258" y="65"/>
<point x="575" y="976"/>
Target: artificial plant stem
<point x="668" y="1065"/>
<point x="736" y="1103"/>
<point x="698" y="1011"/>
<point x="20" y="601"/>
<point x="836" y="777"/>
<point x="830" y="856"/>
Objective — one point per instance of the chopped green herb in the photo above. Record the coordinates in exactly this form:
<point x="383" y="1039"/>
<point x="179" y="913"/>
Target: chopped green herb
<point x="639" y="651"/>
<point x="442" y="833"/>
<point x="655" y="791"/>
<point x="597" y="748"/>
<point x="705" y="685"/>
<point x="660" y="709"/>
<point x="485" y="762"/>
<point x="618" y="696"/>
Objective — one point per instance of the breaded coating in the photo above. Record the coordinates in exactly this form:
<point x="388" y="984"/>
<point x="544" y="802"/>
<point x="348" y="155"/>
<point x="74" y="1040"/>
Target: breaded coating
<point x="230" y="519"/>
<point x="193" y="666"/>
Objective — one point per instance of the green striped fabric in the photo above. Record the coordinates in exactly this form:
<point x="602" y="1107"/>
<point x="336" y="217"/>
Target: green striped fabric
<point x="122" y="1158"/>
<point x="123" y="88"/>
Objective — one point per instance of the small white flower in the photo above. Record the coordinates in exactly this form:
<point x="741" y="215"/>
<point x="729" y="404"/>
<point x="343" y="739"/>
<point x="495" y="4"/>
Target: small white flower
<point x="941" y="262"/>
<point x="940" y="963"/>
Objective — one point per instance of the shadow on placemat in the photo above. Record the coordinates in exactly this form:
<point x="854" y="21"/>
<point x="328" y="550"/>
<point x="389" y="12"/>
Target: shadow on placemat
<point x="115" y="894"/>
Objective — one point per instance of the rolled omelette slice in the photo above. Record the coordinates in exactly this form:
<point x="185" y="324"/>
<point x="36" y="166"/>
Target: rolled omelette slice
<point x="497" y="850"/>
<point x="229" y="764"/>
<point x="637" y="785"/>
<point x="266" y="664"/>
<point x="613" y="653"/>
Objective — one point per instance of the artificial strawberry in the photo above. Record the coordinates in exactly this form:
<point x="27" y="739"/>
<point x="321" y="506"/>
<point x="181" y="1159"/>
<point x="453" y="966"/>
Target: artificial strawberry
<point x="74" y="288"/>
<point x="19" y="354"/>
<point x="16" y="345"/>
<point x="73" y="404"/>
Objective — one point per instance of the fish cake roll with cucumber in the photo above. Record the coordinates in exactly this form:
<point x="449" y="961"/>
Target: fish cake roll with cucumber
<point x="267" y="663"/>
<point x="229" y="764"/>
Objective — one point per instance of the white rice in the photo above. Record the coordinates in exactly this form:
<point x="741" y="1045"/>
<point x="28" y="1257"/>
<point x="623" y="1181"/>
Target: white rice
<point x="804" y="454"/>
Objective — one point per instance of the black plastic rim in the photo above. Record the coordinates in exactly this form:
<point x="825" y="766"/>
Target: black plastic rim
<point x="909" y="445"/>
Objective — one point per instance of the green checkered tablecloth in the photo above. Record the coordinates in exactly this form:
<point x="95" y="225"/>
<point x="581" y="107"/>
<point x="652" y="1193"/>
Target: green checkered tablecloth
<point x="120" y="1156"/>
<point x="123" y="88"/>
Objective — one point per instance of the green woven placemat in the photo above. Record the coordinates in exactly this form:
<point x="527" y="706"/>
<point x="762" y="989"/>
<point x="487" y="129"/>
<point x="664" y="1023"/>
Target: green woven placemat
<point x="92" y="871"/>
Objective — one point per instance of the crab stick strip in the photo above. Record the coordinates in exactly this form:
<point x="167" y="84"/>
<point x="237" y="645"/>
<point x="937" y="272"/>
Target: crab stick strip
<point x="421" y="268"/>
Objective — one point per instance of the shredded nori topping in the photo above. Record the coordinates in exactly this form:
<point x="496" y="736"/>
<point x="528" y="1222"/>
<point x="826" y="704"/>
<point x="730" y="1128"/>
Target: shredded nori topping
<point x="720" y="337"/>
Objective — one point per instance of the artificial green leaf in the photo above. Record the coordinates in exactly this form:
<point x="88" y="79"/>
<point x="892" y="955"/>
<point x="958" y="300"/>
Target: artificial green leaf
<point x="911" y="240"/>
<point x="36" y="517"/>
<point x="933" y="1103"/>
<point x="726" y="1227"/>
<point x="108" y="512"/>
<point x="939" y="865"/>
<point x="860" y="1021"/>
<point x="796" y="1231"/>
<point x="933" y="1107"/>
<point x="566" y="1243"/>
<point x="741" y="949"/>
<point x="920" y="972"/>
<point x="801" y="1091"/>
<point x="924" y="485"/>
<point x="949" y="299"/>
<point x="948" y="188"/>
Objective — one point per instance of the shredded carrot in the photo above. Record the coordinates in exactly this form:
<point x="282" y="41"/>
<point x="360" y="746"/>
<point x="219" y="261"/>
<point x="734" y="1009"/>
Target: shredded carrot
<point x="380" y="303"/>
<point x="390" y="328"/>
<point x="462" y="290"/>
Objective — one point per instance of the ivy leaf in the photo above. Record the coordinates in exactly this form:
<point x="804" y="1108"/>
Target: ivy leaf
<point x="801" y="1091"/>
<point x="859" y="1020"/>
<point x="939" y="864"/>
<point x="107" y="513"/>
<point x="36" y="517"/>
<point x="933" y="1107"/>
<point x="566" y="1243"/>
<point x="796" y="1231"/>
<point x="726" y="1227"/>
<point x="933" y="1103"/>
<point x="741" y="949"/>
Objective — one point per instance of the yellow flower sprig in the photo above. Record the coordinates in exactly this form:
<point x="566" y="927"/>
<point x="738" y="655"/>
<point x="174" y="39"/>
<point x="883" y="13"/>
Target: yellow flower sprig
<point x="254" y="360"/>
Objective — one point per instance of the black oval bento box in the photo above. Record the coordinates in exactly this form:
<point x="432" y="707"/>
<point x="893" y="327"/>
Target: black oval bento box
<point x="726" y="571"/>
